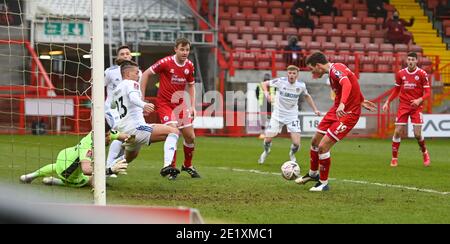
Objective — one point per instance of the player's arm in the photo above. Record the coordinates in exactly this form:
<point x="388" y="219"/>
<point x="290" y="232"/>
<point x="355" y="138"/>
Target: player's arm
<point x="426" y="93"/>
<point x="346" y="89"/>
<point x="144" y="80"/>
<point x="393" y="95"/>
<point x="136" y="99"/>
<point x="265" y="87"/>
<point x="191" y="92"/>
<point x="311" y="103"/>
<point x="86" y="167"/>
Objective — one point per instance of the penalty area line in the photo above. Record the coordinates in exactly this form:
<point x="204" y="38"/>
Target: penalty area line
<point x="361" y="182"/>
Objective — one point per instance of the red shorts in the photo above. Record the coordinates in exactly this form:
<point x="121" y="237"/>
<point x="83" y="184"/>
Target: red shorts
<point x="337" y="128"/>
<point x="174" y="114"/>
<point x="406" y="111"/>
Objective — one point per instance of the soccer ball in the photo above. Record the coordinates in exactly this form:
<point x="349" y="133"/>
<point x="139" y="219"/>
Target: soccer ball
<point x="290" y="170"/>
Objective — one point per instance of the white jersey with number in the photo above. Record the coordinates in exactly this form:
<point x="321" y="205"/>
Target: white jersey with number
<point x="112" y="79"/>
<point x="131" y="115"/>
<point x="286" y="99"/>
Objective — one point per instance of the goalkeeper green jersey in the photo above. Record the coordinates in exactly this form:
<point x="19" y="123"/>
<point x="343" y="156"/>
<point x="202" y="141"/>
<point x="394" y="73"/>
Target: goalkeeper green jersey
<point x="68" y="165"/>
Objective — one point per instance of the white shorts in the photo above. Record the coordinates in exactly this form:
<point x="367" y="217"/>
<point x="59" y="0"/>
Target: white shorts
<point x="276" y="126"/>
<point x="143" y="134"/>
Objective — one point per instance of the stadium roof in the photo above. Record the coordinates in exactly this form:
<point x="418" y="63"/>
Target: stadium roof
<point x="131" y="9"/>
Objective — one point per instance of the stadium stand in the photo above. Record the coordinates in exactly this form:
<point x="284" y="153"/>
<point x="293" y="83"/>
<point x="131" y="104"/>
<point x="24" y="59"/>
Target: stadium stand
<point x="332" y="34"/>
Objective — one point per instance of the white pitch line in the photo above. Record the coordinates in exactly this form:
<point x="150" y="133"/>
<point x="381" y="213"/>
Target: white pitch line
<point x="255" y="171"/>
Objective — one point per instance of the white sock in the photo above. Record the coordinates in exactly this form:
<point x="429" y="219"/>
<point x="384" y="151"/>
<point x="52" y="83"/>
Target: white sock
<point x="313" y="172"/>
<point x="267" y="146"/>
<point x="115" y="151"/>
<point x="170" y="146"/>
<point x="324" y="182"/>
<point x="294" y="148"/>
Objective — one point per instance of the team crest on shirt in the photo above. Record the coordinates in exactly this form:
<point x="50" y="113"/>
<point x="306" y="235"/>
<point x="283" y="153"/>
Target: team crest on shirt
<point x="136" y="85"/>
<point x="186" y="71"/>
<point x="337" y="73"/>
<point x="172" y="71"/>
<point x="416" y="77"/>
<point x="89" y="154"/>
<point x="404" y="78"/>
<point x="166" y="118"/>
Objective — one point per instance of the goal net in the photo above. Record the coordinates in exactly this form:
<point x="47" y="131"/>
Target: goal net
<point x="46" y="81"/>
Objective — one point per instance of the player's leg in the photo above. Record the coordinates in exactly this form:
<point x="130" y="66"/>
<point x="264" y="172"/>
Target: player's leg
<point x="400" y="128"/>
<point x="417" y="121"/>
<point x="325" y="146"/>
<point x="294" y="129"/>
<point x="188" y="148"/>
<point x="115" y="151"/>
<point x="272" y="130"/>
<point x="168" y="134"/>
<point x="396" y="140"/>
<point x="313" y="173"/>
<point x="421" y="141"/>
<point x="295" y="146"/>
<point x="45" y="171"/>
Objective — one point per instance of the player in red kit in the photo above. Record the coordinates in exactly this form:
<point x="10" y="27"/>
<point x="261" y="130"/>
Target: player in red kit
<point x="176" y="73"/>
<point x="338" y="121"/>
<point x="413" y="86"/>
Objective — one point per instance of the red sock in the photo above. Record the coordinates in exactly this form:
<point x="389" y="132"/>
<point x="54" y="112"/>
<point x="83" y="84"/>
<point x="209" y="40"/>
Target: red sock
<point x="324" y="162"/>
<point x="188" y="153"/>
<point x="395" y="147"/>
<point x="314" y="161"/>
<point x="174" y="160"/>
<point x="423" y="148"/>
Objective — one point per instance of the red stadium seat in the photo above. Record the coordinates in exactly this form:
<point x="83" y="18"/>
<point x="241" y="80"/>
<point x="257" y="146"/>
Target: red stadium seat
<point x="269" y="45"/>
<point x="239" y="43"/>
<point x="335" y="35"/>
<point x="326" y="22"/>
<point x="386" y="47"/>
<point x="415" y="48"/>
<point x="343" y="46"/>
<point x="320" y="35"/>
<point x="364" y="36"/>
<point x="400" y="48"/>
<point x="349" y="36"/>
<point x="316" y="46"/>
<point x="328" y="46"/>
<point x="372" y="47"/>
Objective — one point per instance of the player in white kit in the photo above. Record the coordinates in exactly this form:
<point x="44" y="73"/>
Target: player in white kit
<point x="127" y="101"/>
<point x="112" y="79"/>
<point x="285" y="111"/>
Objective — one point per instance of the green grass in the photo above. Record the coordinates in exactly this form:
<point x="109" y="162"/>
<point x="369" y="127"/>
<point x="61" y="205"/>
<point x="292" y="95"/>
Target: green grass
<point x="224" y="195"/>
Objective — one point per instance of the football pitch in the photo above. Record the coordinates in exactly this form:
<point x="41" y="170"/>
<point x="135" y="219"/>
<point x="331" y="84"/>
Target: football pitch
<point x="235" y="189"/>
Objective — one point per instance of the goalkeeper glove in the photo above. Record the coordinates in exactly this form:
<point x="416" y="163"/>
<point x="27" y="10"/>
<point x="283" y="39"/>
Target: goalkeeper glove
<point x="119" y="168"/>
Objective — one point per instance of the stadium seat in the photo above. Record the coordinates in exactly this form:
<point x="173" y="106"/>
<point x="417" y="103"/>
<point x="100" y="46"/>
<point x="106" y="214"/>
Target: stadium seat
<point x="400" y="48"/>
<point x="378" y="36"/>
<point x="335" y="35"/>
<point x="343" y="46"/>
<point x="364" y="36"/>
<point x="415" y="48"/>
<point x="254" y="44"/>
<point x="326" y="22"/>
<point x="372" y="47"/>
<point x="262" y="33"/>
<point x="320" y="35"/>
<point x="246" y="33"/>
<point x="386" y="47"/>
<point x="341" y="22"/>
<point x="289" y="31"/>
<point x="328" y="46"/>
<point x="239" y="43"/>
<point x="349" y="36"/>
<point x="305" y="34"/>
<point x="347" y="9"/>
<point x="370" y="23"/>
<point x="269" y="45"/>
<point x="313" y="46"/>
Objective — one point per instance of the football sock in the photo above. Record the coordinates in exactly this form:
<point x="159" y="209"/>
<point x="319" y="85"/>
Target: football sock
<point x="422" y="146"/>
<point x="294" y="148"/>
<point x="324" y="162"/>
<point x="170" y="146"/>
<point x="115" y="151"/>
<point x="314" y="161"/>
<point x="267" y="146"/>
<point x="188" y="154"/>
<point x="395" y="146"/>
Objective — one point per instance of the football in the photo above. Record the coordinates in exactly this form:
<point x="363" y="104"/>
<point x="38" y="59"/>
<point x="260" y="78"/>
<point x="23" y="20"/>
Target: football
<point x="290" y="170"/>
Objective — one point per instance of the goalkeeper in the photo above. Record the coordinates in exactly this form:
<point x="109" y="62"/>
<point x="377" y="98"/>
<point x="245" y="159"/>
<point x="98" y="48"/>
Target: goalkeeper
<point x="74" y="165"/>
